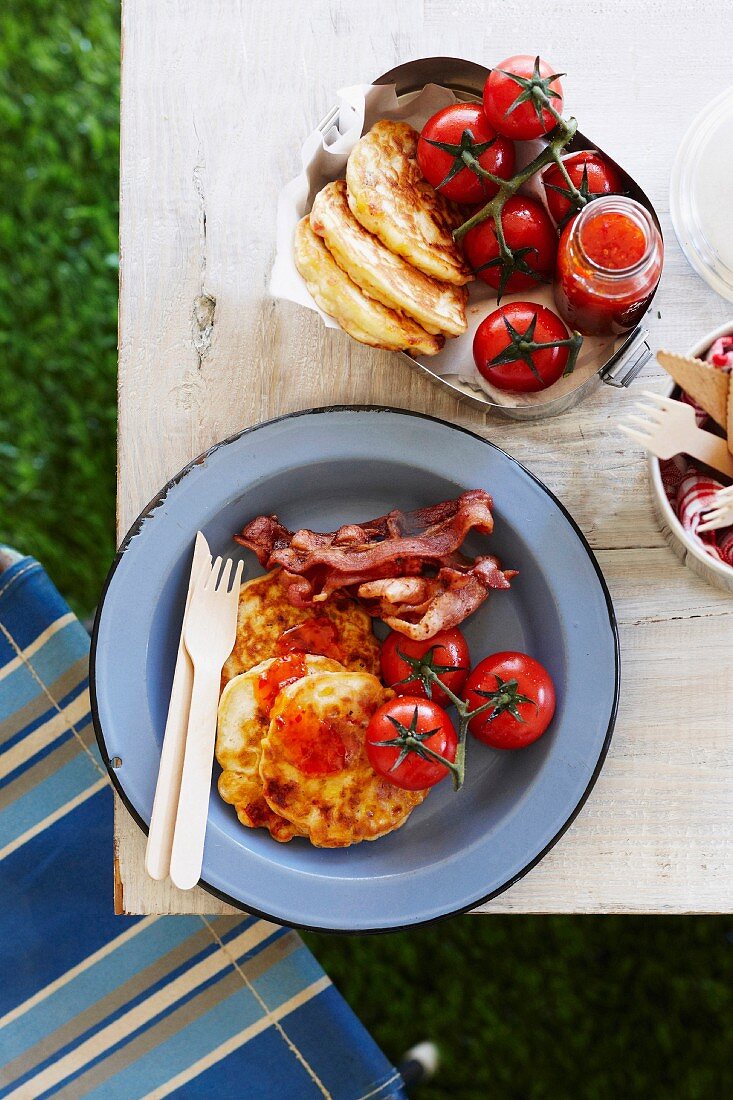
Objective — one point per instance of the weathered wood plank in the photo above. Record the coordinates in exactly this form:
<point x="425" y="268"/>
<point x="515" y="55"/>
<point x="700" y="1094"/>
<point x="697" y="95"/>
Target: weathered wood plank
<point x="217" y="98"/>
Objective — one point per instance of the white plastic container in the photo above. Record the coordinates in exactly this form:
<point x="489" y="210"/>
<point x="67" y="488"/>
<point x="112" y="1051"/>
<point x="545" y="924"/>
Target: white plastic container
<point x="689" y="552"/>
<point x="701" y="194"/>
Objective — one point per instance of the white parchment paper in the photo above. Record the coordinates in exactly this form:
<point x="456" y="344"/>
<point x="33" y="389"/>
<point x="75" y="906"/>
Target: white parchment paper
<point x="324" y="155"/>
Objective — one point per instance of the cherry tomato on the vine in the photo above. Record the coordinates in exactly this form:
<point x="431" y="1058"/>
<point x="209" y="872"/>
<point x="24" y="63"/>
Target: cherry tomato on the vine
<point x="531" y="236"/>
<point x="590" y="172"/>
<point x="503" y="352"/>
<point x="446" y="653"/>
<point x="411" y="725"/>
<point x="458" y="133"/>
<point x="523" y="698"/>
<point x="515" y="96"/>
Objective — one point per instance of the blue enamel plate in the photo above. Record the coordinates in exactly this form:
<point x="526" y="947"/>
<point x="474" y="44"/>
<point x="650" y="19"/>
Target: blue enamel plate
<point x="320" y="469"/>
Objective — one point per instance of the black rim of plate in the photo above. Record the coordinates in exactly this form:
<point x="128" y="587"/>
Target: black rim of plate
<point x="160" y="497"/>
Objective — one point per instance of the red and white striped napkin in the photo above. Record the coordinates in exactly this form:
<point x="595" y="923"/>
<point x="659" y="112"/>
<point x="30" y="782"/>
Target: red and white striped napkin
<point x="688" y="489"/>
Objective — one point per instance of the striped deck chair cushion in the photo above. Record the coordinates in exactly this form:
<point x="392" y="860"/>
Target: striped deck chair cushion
<point x="95" y="1005"/>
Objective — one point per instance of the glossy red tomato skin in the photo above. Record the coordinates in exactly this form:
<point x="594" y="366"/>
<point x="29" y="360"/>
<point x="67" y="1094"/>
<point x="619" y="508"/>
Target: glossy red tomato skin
<point x="516" y="377"/>
<point x="526" y="224"/>
<point x="448" y="126"/>
<point x="533" y="680"/>
<point x="603" y="179"/>
<point x="501" y="91"/>
<point x="451" y="648"/>
<point x="414" y="774"/>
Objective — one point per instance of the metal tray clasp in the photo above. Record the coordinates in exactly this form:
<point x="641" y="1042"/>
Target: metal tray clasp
<point x="628" y="360"/>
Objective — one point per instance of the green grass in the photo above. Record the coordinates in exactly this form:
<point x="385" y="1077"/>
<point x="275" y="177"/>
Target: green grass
<point x="59" y="76"/>
<point x="523" y="1007"/>
<point x="551" y="1008"/>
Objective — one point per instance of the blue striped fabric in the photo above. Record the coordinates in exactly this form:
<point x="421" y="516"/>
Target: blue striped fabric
<point x="94" y="1005"/>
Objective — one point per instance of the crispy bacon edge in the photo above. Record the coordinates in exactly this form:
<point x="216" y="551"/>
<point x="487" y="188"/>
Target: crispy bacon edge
<point x="405" y="567"/>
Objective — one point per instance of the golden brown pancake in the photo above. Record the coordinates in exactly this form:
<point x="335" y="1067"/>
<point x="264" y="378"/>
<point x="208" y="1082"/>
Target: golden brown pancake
<point x="265" y="615"/>
<point x="388" y="194"/>
<point x="437" y="306"/>
<point x="244" y="718"/>
<point x="367" y="320"/>
<point x="314" y="765"/>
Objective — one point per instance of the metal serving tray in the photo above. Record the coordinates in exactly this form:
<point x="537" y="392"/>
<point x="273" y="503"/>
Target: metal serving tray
<point x="466" y="79"/>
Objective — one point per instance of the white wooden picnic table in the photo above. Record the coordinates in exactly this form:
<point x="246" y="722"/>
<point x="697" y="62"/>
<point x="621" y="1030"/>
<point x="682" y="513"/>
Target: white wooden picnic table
<point x="217" y="96"/>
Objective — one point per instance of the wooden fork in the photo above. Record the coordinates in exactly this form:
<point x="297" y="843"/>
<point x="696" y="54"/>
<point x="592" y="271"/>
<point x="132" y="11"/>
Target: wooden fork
<point x="209" y="634"/>
<point x="168" y="786"/>
<point x="720" y="514"/>
<point x="669" y="428"/>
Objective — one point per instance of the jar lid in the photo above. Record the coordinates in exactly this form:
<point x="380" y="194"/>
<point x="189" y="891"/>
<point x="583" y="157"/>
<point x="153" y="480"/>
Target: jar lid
<point x="701" y="194"/>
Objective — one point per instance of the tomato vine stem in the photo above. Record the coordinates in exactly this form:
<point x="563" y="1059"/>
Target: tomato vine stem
<point x="562" y="136"/>
<point x="457" y="767"/>
<point x="558" y="139"/>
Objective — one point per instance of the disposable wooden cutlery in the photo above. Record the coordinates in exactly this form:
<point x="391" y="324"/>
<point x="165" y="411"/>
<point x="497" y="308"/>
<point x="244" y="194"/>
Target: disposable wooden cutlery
<point x="720" y="513"/>
<point x="209" y="633"/>
<point x="167" y="789"/>
<point x="668" y="428"/>
<point x="705" y="384"/>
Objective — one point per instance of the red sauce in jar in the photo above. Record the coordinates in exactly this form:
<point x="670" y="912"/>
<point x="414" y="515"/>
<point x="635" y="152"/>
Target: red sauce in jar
<point x="608" y="265"/>
<point x="311" y="744"/>
<point x="283" y="671"/>
<point x="613" y="241"/>
<point x="318" y="635"/>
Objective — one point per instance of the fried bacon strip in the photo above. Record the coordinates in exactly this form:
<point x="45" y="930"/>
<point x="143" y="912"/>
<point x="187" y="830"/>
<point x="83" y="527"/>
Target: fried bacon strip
<point x="441" y="602"/>
<point x="405" y="567"/>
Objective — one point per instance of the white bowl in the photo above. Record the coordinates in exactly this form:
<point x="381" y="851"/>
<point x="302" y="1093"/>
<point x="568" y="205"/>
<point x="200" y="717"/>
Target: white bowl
<point x="716" y="572"/>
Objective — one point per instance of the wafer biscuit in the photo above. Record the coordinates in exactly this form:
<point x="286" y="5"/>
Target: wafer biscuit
<point x="703" y="383"/>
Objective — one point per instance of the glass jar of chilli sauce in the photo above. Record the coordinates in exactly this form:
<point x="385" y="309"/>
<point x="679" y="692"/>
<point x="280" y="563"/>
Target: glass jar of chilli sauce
<point x="609" y="261"/>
